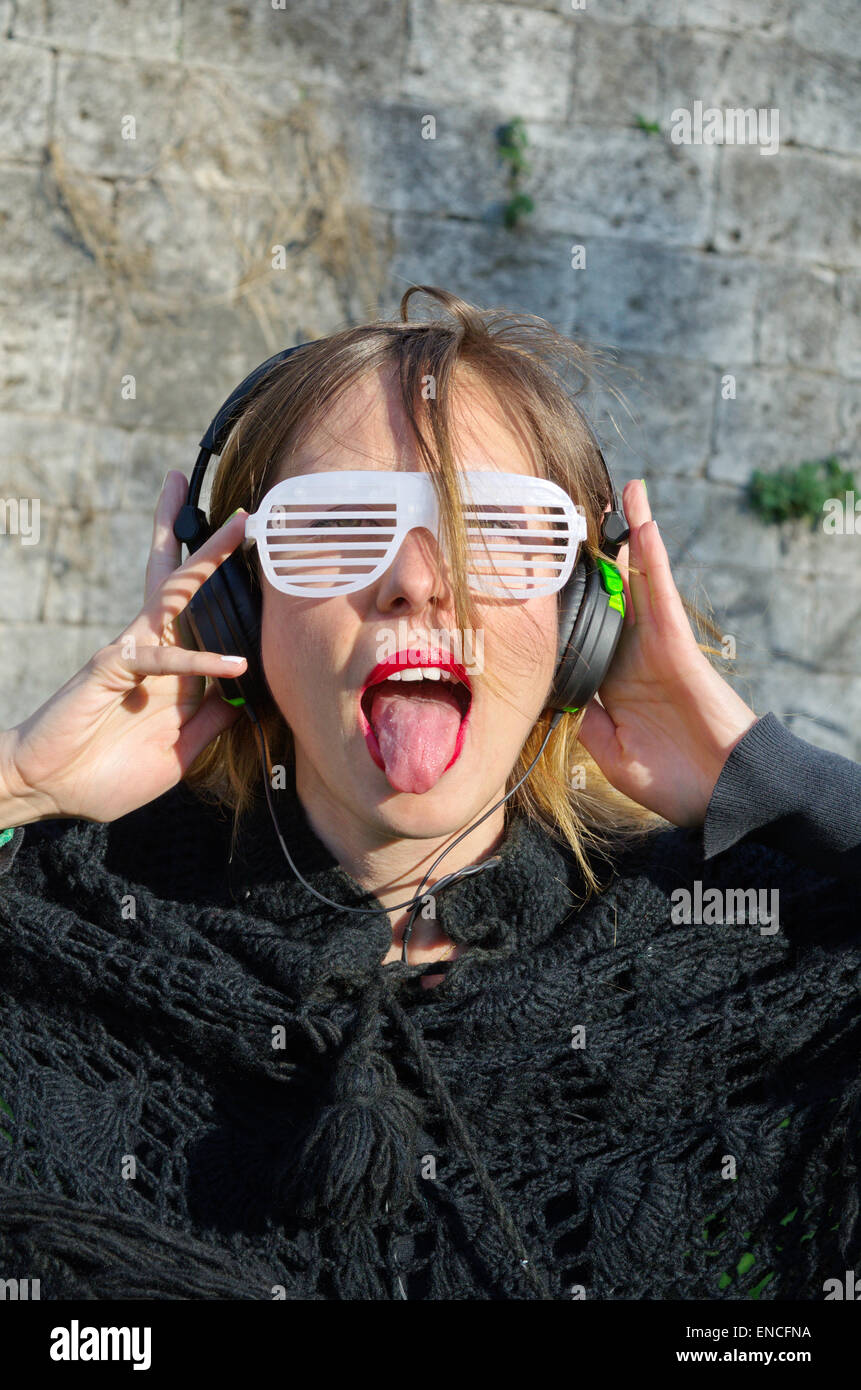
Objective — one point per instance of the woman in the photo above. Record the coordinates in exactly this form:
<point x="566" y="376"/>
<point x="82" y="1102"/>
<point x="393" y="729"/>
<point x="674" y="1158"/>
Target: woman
<point x="611" y="1087"/>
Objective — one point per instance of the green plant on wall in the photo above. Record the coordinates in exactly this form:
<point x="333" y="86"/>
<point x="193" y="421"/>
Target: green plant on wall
<point x="512" y="142"/>
<point x="797" y="494"/>
<point x="650" y="127"/>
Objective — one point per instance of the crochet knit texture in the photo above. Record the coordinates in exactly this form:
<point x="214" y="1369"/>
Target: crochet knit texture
<point x="213" y="1088"/>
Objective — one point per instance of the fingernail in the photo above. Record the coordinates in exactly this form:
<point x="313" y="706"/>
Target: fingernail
<point x="233" y="658"/>
<point x="164" y="479"/>
<point x="236" y="513"/>
<point x="645" y="489"/>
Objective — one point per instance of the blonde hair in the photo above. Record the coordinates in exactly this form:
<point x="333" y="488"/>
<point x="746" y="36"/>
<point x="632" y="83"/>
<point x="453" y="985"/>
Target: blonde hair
<point x="515" y="358"/>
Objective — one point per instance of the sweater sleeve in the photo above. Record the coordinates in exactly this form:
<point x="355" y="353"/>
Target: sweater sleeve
<point x="788" y="794"/>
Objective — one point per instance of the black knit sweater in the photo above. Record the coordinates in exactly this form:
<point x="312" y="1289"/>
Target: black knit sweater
<point x="213" y="1088"/>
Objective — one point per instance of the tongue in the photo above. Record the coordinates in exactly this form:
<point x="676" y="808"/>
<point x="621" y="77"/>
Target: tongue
<point x="416" y="732"/>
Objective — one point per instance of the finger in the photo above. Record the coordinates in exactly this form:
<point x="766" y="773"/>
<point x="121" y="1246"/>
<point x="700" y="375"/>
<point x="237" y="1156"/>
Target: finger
<point x="165" y="551"/>
<point x="181" y="634"/>
<point x="638" y="583"/>
<point x="176" y="634"/>
<point x="176" y="661"/>
<point x="133" y="659"/>
<point x="664" y="597"/>
<point x="637" y="512"/>
<point x="212" y="717"/>
<point x="635" y="503"/>
<point x="178" y="588"/>
<point x="598" y="735"/>
<point x="622" y="566"/>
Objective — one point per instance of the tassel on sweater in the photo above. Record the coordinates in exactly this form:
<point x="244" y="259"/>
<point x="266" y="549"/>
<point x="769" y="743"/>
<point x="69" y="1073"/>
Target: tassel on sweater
<point x="359" y="1156"/>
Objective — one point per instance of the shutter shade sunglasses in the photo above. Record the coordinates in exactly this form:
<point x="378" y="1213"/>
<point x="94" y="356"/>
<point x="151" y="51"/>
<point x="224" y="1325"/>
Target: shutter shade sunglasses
<point x="323" y="534"/>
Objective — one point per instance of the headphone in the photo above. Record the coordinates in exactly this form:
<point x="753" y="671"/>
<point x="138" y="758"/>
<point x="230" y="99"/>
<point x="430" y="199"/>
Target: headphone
<point x="224" y="615"/>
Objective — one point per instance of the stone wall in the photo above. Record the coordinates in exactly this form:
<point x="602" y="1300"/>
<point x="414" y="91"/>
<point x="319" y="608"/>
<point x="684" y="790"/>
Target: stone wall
<point x="154" y="151"/>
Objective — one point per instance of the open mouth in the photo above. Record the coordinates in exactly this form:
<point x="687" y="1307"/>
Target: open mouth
<point x="414" y="718"/>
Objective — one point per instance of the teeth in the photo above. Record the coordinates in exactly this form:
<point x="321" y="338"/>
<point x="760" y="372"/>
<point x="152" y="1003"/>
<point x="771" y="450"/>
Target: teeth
<point x="428" y="673"/>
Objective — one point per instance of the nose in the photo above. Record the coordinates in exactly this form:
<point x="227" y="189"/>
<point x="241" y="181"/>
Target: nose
<point x="417" y="574"/>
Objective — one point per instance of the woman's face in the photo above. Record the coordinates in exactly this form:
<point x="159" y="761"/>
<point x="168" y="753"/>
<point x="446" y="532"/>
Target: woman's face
<point x="401" y="758"/>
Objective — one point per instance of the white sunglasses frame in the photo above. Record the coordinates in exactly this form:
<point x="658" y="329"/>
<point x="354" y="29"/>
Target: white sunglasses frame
<point x="416" y="503"/>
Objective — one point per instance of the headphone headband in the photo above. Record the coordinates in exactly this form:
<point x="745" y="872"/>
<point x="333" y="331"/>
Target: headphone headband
<point x="219" y="430"/>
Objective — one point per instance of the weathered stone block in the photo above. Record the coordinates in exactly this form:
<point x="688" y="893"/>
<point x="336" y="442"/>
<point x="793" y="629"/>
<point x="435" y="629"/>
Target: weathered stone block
<point x="761" y="210"/>
<point x="490" y="266"/>
<point x="96" y="95"/>
<point x="44" y="244"/>
<point x="778" y="419"/>
<point x="190" y="240"/>
<point x="113" y="26"/>
<point x="620" y="183"/>
<point x="615" y="75"/>
<point x="25" y="90"/>
<point x="672" y="402"/>
<point x="361" y="47"/>
<point x="25" y="557"/>
<point x="457" y="172"/>
<point x="661" y="13"/>
<point x="824" y="99"/>
<point x="66" y="462"/>
<point x="152" y="454"/>
<point x="823" y="709"/>
<point x="517" y="61"/>
<point x="735" y="16"/>
<point x="728" y="71"/>
<point x="796" y="317"/>
<point x="215" y="128"/>
<point x="705" y="527"/>
<point x="182" y="366"/>
<point x="770" y="614"/>
<point x="849" y="422"/>
<point x="646" y="298"/>
<point x="827" y="26"/>
<point x="35" y="348"/>
<point x="834" y="644"/>
<point x="38" y="659"/>
<point x="847" y="339"/>
<point x="97" y="568"/>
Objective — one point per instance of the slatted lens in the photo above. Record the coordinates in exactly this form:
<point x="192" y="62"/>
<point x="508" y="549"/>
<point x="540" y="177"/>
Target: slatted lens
<point x="313" y="546"/>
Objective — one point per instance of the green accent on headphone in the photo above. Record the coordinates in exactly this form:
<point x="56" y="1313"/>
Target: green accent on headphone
<point x="238" y="701"/>
<point x="613" y="584"/>
<point x="572" y="709"/>
<point x="6" y="836"/>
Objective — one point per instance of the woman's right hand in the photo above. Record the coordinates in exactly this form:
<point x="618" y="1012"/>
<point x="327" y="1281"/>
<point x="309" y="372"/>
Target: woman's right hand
<point x="129" y="724"/>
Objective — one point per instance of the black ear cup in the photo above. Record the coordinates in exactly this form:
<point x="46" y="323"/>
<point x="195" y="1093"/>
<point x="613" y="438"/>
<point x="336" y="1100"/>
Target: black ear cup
<point x="225" y="613"/>
<point x="224" y="616"/>
<point x="591" y="616"/>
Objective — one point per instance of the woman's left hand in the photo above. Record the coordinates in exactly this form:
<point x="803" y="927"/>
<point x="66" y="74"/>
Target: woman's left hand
<point x="669" y="721"/>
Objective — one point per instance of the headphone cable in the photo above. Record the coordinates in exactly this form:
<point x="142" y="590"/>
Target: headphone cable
<point x="414" y="902"/>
